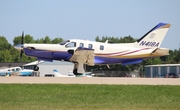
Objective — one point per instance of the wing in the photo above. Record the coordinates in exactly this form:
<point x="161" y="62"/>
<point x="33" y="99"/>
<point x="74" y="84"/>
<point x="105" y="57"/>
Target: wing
<point x="83" y="55"/>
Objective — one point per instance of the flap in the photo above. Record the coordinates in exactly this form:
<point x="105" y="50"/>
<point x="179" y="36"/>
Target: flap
<point x="83" y="55"/>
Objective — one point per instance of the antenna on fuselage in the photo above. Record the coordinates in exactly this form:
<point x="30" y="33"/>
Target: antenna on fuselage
<point x="106" y="41"/>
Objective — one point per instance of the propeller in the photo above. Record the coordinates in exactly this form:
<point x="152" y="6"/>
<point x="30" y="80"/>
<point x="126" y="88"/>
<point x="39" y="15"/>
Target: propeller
<point x="22" y="38"/>
<point x="22" y="45"/>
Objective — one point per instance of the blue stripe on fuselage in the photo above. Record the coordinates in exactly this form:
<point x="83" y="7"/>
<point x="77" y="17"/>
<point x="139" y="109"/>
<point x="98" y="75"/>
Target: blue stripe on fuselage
<point x="107" y="60"/>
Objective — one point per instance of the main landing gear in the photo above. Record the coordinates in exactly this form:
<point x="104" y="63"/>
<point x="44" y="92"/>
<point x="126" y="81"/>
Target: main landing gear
<point x="36" y="70"/>
<point x="78" y="69"/>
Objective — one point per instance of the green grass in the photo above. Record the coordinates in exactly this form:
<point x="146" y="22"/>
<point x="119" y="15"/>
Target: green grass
<point x="88" y="97"/>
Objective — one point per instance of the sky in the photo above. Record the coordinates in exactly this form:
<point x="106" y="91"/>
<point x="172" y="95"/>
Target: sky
<point x="86" y="19"/>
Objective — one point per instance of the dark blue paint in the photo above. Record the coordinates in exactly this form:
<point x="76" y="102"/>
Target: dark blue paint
<point x="62" y="55"/>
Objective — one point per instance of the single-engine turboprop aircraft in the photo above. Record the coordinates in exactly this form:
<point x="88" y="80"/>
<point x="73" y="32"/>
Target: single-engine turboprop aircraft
<point x="92" y="53"/>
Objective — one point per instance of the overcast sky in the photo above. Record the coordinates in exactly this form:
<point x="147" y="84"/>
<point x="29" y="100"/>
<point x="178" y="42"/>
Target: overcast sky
<point x="86" y="19"/>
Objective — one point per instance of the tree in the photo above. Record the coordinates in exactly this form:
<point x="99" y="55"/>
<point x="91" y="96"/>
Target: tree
<point x="17" y="40"/>
<point x="177" y="58"/>
<point x="4" y="43"/>
<point x="39" y="41"/>
<point x="152" y="61"/>
<point x="97" y="39"/>
<point x="56" y="40"/>
<point x="126" y="39"/>
<point x="27" y="39"/>
<point x="47" y="40"/>
<point x="5" y="56"/>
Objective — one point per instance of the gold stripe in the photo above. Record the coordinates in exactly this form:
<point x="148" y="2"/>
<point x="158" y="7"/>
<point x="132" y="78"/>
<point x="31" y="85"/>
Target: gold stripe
<point x="166" y="26"/>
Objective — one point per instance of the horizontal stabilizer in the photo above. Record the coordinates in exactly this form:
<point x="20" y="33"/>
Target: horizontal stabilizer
<point x="161" y="51"/>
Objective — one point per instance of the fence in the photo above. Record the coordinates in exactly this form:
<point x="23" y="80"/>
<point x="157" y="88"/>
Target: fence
<point x="118" y="74"/>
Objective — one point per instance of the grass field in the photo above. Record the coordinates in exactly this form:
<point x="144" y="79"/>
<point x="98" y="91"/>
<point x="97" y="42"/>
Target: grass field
<point x="88" y="97"/>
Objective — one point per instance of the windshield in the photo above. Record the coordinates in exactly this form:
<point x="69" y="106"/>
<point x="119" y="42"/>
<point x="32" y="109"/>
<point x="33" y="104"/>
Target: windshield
<point x="64" y="42"/>
<point x="71" y="44"/>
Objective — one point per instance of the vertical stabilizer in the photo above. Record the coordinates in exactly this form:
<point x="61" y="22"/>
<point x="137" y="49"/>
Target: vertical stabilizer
<point x="56" y="73"/>
<point x="154" y="37"/>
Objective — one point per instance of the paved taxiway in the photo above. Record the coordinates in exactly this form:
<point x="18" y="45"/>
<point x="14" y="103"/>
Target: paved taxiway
<point x="93" y="80"/>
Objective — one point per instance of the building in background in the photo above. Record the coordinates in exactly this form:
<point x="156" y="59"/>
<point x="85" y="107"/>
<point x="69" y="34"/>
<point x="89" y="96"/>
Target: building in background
<point x="162" y="70"/>
<point x="44" y="67"/>
<point x="62" y="67"/>
<point x="48" y="67"/>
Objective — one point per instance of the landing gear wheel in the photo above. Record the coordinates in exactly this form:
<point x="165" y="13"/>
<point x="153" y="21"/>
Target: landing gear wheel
<point x="76" y="73"/>
<point x="36" y="68"/>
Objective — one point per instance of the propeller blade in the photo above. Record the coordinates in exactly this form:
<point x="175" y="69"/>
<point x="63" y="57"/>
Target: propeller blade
<point x="22" y="38"/>
<point x="21" y="55"/>
<point x="22" y="44"/>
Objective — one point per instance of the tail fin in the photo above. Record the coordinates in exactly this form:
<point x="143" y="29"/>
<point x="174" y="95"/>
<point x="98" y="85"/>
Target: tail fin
<point x="56" y="72"/>
<point x="154" y="37"/>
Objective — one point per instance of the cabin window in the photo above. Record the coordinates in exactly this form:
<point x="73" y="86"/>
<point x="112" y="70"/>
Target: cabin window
<point x="17" y="69"/>
<point x="101" y="47"/>
<point x="71" y="44"/>
<point x="13" y="69"/>
<point x="81" y="45"/>
<point x="90" y="46"/>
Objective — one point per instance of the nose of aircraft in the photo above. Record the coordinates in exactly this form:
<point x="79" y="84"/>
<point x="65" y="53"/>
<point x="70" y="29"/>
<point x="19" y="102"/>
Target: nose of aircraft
<point x="19" y="46"/>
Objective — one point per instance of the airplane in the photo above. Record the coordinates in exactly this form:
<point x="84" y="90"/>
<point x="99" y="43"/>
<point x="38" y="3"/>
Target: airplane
<point x="57" y="74"/>
<point x="85" y="52"/>
<point x="17" y="71"/>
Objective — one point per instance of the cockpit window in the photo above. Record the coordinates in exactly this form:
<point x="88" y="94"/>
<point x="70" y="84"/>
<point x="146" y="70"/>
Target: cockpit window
<point x="64" y="42"/>
<point x="71" y="44"/>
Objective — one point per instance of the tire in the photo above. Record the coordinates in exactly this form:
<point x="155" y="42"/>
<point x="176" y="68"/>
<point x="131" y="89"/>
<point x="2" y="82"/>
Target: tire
<point x="76" y="73"/>
<point x="36" y="68"/>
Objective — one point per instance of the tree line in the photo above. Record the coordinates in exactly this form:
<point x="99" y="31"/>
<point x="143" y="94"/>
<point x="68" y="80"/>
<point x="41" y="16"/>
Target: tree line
<point x="9" y="54"/>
